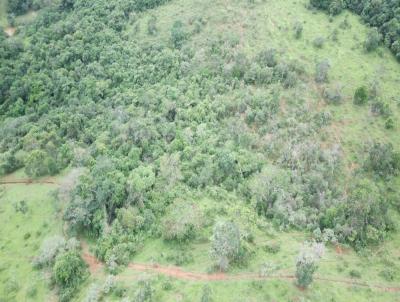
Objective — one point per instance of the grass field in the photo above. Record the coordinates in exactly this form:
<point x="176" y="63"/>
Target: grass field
<point x="20" y="238"/>
<point x="3" y="13"/>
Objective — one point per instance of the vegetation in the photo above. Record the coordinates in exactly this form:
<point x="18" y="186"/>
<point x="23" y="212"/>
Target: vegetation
<point x="178" y="134"/>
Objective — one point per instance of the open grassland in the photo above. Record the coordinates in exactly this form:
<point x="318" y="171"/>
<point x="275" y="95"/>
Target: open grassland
<point x="3" y="13"/>
<point x="21" y="235"/>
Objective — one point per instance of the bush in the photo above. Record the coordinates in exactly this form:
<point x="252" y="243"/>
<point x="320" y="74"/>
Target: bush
<point x="333" y="95"/>
<point x="145" y="292"/>
<point x="69" y="271"/>
<point x="361" y="96"/>
<point x="206" y="294"/>
<point x="319" y="42"/>
<point x="152" y="25"/>
<point x="389" y="123"/>
<point x="321" y="71"/>
<point x="272" y="248"/>
<point x="38" y="163"/>
<point x="178" y="34"/>
<point x="355" y="274"/>
<point x="383" y="160"/>
<point x="225" y="244"/>
<point x="380" y="107"/>
<point x="267" y="58"/>
<point x="373" y="40"/>
<point x="181" y="221"/>
<point x="298" y="29"/>
<point x="307" y="264"/>
<point x="49" y="250"/>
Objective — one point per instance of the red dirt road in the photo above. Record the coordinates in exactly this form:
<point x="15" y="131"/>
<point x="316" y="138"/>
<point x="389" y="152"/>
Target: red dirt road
<point x="179" y="273"/>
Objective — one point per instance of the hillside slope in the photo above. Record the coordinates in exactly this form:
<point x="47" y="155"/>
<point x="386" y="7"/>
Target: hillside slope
<point x="211" y="135"/>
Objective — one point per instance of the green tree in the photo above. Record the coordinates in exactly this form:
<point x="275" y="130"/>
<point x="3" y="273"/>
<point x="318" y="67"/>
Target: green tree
<point x="225" y="244"/>
<point x="361" y="96"/>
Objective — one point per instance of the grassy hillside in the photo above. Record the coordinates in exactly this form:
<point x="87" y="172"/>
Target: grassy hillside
<point x="3" y="13"/>
<point x="187" y="116"/>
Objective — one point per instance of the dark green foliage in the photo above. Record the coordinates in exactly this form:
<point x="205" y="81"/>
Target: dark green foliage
<point x="355" y="274"/>
<point x="178" y="34"/>
<point x="383" y="160"/>
<point x="360" y="96"/>
<point x="373" y="40"/>
<point x="389" y="123"/>
<point x="298" y="29"/>
<point x="69" y="271"/>
<point x="18" y="7"/>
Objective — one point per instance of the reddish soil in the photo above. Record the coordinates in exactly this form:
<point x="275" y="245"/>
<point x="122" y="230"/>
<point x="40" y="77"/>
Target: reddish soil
<point x="176" y="272"/>
<point x="179" y="273"/>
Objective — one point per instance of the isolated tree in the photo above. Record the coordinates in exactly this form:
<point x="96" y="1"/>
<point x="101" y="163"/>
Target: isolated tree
<point x="298" y="29"/>
<point x="225" y="244"/>
<point x="361" y="96"/>
<point x="69" y="271"/>
<point x="321" y="71"/>
<point x="307" y="264"/>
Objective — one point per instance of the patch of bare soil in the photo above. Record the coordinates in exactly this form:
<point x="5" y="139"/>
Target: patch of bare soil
<point x="10" y="31"/>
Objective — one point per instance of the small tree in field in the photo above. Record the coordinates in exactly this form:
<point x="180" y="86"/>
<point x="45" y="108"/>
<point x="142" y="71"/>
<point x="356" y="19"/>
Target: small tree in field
<point x="307" y="264"/>
<point x="361" y="96"/>
<point x="225" y="244"/>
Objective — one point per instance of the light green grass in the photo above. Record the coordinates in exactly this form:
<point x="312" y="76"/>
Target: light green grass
<point x="3" y="13"/>
<point x="16" y="253"/>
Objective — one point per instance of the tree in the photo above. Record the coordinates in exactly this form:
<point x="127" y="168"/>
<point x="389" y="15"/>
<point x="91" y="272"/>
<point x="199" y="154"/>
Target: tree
<point x="225" y="244"/>
<point x="373" y="40"/>
<point x="307" y="264"/>
<point x="69" y="271"/>
<point x="298" y="29"/>
<point x="178" y="34"/>
<point x="361" y="96"/>
<point x="38" y="163"/>
<point x="321" y="71"/>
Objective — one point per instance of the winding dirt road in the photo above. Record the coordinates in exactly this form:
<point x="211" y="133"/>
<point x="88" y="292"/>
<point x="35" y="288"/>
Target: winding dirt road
<point x="177" y="272"/>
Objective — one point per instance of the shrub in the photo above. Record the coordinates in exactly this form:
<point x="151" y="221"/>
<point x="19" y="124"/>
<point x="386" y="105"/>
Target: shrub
<point x="49" y="250"/>
<point x="383" y="160"/>
<point x="206" y="294"/>
<point x="361" y="96"/>
<point x="145" y="292"/>
<point x="152" y="25"/>
<point x="307" y="264"/>
<point x="321" y="71"/>
<point x="319" y="42"/>
<point x="380" y="107"/>
<point x="272" y="248"/>
<point x="333" y="95"/>
<point x="178" y="34"/>
<point x="21" y="207"/>
<point x="38" y="163"/>
<point x="267" y="58"/>
<point x="388" y="274"/>
<point x="373" y="40"/>
<point x="267" y="269"/>
<point x="389" y="123"/>
<point x="298" y="29"/>
<point x="225" y="244"/>
<point x="355" y="274"/>
<point x="181" y="221"/>
<point x="69" y="271"/>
